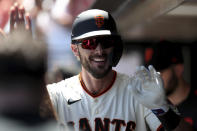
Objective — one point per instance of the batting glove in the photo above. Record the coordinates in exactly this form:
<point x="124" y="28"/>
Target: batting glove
<point x="148" y="88"/>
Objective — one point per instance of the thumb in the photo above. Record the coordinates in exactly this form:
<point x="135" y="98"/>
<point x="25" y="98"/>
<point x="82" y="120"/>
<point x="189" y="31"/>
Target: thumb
<point x="156" y="75"/>
<point x="152" y="71"/>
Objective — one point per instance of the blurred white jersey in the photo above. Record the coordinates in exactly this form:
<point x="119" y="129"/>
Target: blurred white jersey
<point x="114" y="109"/>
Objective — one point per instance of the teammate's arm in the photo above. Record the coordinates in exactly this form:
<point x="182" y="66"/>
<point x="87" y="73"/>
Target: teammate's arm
<point x="2" y="33"/>
<point x="147" y="87"/>
<point x="19" y="21"/>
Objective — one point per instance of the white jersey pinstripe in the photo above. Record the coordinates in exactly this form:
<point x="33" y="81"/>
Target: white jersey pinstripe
<point x="113" y="109"/>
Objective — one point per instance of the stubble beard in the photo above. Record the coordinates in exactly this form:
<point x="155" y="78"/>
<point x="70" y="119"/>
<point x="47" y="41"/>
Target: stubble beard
<point x="98" y="72"/>
<point x="172" y="84"/>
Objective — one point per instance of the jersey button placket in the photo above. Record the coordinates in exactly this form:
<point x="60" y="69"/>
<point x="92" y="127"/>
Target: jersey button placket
<point x="96" y="111"/>
<point x="95" y="101"/>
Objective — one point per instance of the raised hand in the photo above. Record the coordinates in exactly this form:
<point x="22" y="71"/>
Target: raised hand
<point x="19" y="20"/>
<point x="2" y="33"/>
<point x="147" y="87"/>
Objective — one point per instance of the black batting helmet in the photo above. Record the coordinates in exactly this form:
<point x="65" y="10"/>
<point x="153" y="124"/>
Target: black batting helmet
<point x="95" y="22"/>
<point x="163" y="54"/>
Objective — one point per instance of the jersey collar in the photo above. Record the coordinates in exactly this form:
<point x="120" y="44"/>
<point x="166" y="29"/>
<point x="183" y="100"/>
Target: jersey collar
<point x="106" y="89"/>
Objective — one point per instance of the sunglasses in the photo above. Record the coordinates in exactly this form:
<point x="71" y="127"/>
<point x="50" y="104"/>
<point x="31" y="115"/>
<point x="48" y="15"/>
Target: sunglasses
<point x="92" y="43"/>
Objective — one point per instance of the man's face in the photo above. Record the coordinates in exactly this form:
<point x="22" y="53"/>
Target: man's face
<point x="98" y="61"/>
<point x="170" y="80"/>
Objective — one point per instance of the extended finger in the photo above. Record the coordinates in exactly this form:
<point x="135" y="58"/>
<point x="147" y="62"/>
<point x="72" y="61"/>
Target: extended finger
<point x="21" y="20"/>
<point x="16" y="16"/>
<point x="146" y="72"/>
<point x="152" y="70"/>
<point x="21" y="12"/>
<point x="156" y="76"/>
<point x="12" y="18"/>
<point x="28" y="22"/>
<point x="142" y="73"/>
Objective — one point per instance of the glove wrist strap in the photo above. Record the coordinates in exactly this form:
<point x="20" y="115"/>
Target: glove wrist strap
<point x="160" y="111"/>
<point x="170" y="120"/>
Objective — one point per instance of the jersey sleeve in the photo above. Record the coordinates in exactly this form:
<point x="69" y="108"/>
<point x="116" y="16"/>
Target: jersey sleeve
<point x="152" y="121"/>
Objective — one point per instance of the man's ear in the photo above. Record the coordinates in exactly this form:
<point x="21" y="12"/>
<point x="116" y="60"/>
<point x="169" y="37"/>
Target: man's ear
<point x="75" y="50"/>
<point x="179" y="69"/>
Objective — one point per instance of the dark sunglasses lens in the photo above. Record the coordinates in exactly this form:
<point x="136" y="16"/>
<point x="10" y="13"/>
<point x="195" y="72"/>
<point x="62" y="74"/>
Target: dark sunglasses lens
<point x="89" y="44"/>
<point x="106" y="42"/>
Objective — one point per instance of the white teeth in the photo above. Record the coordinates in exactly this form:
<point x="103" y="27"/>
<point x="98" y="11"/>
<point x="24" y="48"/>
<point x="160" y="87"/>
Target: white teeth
<point x="99" y="60"/>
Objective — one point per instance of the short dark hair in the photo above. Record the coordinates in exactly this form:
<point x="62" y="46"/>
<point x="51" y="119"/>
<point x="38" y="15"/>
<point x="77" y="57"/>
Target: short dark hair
<point x="20" y="55"/>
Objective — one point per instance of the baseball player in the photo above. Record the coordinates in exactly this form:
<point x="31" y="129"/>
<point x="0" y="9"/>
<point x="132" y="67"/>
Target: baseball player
<point x="99" y="98"/>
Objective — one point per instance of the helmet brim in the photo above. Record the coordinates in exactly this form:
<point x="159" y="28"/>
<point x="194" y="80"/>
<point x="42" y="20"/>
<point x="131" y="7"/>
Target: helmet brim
<point x="95" y="33"/>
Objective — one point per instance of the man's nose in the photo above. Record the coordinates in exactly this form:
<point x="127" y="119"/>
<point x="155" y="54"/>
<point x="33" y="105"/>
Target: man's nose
<point x="99" y="48"/>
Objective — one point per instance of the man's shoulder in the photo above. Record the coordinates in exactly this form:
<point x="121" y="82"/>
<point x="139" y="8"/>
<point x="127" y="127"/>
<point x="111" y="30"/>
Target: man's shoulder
<point x="69" y="82"/>
<point x="122" y="80"/>
<point x="69" y="88"/>
<point x="121" y="77"/>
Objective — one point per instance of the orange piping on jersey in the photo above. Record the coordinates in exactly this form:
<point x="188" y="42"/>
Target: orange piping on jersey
<point x="160" y="128"/>
<point x="97" y="95"/>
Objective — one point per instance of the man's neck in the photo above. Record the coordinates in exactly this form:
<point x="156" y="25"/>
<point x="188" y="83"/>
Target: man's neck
<point x="181" y="93"/>
<point x="94" y="85"/>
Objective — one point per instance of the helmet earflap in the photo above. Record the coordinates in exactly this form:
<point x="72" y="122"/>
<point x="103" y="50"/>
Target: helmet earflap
<point x="118" y="50"/>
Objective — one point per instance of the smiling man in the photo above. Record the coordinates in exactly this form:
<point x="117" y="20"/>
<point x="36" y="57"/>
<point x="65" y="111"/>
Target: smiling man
<point x="98" y="60"/>
<point x="99" y="98"/>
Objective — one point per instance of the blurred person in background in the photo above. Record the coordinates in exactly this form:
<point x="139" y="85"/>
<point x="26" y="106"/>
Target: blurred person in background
<point x="22" y="86"/>
<point x="24" y="102"/>
<point x="167" y="58"/>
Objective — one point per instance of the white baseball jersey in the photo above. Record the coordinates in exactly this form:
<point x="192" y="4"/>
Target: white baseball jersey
<point x="113" y="109"/>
